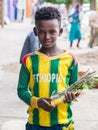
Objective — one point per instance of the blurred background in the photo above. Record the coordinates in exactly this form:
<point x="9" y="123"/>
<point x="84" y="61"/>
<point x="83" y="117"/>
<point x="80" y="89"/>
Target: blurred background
<point x="16" y="22"/>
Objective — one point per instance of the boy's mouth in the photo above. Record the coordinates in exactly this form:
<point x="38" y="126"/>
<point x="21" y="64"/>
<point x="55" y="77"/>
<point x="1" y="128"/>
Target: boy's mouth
<point x="47" y="42"/>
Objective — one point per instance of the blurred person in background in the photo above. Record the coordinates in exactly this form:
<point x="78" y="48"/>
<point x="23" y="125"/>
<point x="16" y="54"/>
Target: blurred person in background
<point x="93" y="22"/>
<point x="15" y="2"/>
<point x="36" y="5"/>
<point x="21" y="10"/>
<point x="75" y="32"/>
<point x="31" y="44"/>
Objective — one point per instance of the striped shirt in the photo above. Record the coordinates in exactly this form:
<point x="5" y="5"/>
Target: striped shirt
<point x="39" y="76"/>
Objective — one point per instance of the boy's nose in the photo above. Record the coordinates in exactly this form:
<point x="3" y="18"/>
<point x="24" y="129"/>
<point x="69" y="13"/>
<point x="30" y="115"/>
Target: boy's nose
<point x="47" y="35"/>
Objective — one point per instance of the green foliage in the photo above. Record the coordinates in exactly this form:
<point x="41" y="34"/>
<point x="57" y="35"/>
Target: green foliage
<point x="86" y="1"/>
<point x="60" y="1"/>
<point x="55" y="1"/>
<point x="67" y="2"/>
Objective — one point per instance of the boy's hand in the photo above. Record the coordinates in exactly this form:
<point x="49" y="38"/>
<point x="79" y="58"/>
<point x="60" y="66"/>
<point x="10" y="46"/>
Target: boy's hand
<point x="70" y="96"/>
<point x="45" y="103"/>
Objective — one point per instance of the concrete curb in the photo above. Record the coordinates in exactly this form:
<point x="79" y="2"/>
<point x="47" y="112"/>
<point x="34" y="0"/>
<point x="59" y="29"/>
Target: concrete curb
<point x="14" y="125"/>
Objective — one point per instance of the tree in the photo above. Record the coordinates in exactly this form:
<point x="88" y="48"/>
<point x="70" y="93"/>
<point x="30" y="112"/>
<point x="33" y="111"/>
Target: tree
<point x="93" y="27"/>
<point x="77" y="1"/>
<point x="93" y="4"/>
<point x="55" y="1"/>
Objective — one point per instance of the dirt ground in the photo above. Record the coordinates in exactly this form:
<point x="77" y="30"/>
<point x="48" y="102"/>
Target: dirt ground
<point x="88" y="59"/>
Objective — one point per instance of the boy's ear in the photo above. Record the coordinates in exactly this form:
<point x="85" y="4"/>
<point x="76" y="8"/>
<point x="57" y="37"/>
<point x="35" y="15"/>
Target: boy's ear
<point x="35" y="31"/>
<point x="61" y="31"/>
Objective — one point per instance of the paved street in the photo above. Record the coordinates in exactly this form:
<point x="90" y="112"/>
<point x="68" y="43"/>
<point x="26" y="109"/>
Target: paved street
<point x="13" y="110"/>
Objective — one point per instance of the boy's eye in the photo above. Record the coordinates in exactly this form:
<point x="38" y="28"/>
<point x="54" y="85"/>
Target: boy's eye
<point x="52" y="32"/>
<point x="40" y="32"/>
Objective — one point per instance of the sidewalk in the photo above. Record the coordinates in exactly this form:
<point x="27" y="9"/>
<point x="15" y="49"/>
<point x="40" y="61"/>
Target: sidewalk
<point x="11" y="108"/>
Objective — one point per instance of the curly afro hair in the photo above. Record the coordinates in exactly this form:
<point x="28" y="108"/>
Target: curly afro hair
<point x="47" y="13"/>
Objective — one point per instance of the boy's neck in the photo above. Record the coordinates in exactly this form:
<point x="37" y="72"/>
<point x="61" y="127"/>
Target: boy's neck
<point x="52" y="51"/>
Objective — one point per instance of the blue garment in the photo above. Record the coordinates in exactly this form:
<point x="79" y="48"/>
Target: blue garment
<point x="37" y="127"/>
<point x="31" y="43"/>
<point x="75" y="32"/>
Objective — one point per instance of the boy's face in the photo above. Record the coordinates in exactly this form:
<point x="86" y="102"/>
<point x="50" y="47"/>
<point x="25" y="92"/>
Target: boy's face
<point x="48" y="32"/>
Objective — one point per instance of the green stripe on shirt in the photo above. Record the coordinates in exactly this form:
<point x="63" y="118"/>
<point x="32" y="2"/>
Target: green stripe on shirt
<point x="34" y="59"/>
<point x="53" y="86"/>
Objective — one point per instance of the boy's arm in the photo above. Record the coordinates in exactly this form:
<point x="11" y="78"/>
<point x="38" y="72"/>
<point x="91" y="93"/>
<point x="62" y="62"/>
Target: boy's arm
<point x="23" y="90"/>
<point x="70" y="96"/>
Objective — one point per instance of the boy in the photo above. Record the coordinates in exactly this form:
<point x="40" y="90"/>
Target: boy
<point x="43" y="71"/>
